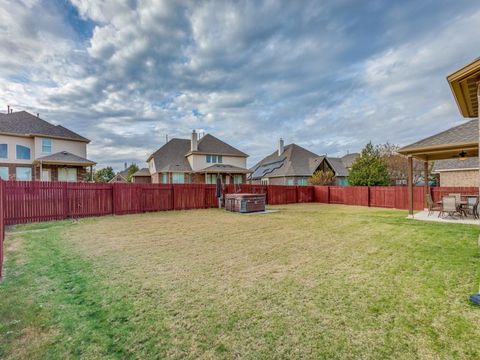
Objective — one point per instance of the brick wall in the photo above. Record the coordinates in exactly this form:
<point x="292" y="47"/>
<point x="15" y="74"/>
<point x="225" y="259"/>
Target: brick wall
<point x="460" y="178"/>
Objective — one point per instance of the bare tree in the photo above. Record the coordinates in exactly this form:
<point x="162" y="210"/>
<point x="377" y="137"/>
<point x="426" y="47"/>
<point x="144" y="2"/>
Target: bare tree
<point x="321" y="177"/>
<point x="398" y="166"/>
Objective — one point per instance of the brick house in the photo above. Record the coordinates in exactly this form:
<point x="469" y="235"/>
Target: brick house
<point x="197" y="160"/>
<point x="455" y="172"/>
<point x="33" y="149"/>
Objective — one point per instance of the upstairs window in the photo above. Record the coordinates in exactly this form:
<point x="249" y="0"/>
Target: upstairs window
<point x="214" y="159"/>
<point x="3" y="151"/>
<point x="23" y="152"/>
<point x="46" y="146"/>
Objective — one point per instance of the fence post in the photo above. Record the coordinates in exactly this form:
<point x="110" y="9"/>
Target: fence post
<point x="2" y="223"/>
<point x="114" y="206"/>
<point x="65" y="200"/>
<point x="328" y="194"/>
<point x="172" y="189"/>
<point x="368" y="196"/>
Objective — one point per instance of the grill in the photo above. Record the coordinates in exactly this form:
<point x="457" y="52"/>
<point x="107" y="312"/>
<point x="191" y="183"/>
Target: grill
<point x="245" y="203"/>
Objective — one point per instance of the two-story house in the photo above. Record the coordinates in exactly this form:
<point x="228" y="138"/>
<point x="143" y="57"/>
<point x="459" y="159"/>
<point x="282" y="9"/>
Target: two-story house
<point x="34" y="149"/>
<point x="197" y="160"/>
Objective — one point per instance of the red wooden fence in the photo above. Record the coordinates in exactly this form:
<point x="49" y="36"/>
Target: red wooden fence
<point x="395" y="197"/>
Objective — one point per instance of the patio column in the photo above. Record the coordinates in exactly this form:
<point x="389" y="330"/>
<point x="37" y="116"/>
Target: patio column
<point x="478" y="111"/>
<point x="425" y="183"/>
<point x="410" y="185"/>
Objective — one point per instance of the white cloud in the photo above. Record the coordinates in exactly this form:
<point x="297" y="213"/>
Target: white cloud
<point x="248" y="72"/>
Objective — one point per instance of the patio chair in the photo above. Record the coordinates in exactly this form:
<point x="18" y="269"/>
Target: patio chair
<point x="472" y="206"/>
<point x="458" y="199"/>
<point x="431" y="205"/>
<point x="449" y="206"/>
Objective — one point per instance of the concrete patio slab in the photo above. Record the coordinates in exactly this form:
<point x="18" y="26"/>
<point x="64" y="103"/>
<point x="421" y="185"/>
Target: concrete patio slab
<point x="423" y="216"/>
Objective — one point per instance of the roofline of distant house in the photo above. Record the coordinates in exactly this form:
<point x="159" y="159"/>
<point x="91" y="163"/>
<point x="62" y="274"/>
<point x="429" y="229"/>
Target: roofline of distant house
<point x="215" y="153"/>
<point x="85" y="140"/>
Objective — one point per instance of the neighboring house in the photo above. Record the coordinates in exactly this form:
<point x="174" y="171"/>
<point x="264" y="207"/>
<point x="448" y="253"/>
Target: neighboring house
<point x="294" y="165"/>
<point x="120" y="177"/>
<point x="142" y="176"/>
<point x="197" y="161"/>
<point x="455" y="172"/>
<point x="34" y="149"/>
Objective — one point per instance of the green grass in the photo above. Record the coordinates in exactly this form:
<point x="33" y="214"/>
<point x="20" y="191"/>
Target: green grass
<point x="310" y="281"/>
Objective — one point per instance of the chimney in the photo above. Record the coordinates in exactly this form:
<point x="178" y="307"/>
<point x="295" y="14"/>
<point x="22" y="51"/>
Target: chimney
<point x="8" y="109"/>
<point x="38" y="114"/>
<point x="194" y="143"/>
<point x="125" y="165"/>
<point x="280" y="147"/>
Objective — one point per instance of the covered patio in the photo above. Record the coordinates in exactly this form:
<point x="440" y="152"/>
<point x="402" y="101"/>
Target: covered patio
<point x="459" y="142"/>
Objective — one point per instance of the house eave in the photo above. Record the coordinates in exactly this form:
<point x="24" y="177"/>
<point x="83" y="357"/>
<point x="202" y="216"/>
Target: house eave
<point x="463" y="84"/>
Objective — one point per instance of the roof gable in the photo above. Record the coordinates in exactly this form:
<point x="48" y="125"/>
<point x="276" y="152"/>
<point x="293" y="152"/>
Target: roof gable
<point x="23" y="123"/>
<point x="171" y="156"/>
<point x="209" y="144"/>
<point x="294" y="161"/>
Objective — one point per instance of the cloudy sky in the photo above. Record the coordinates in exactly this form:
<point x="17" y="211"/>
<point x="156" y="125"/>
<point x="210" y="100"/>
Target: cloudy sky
<point x="327" y="75"/>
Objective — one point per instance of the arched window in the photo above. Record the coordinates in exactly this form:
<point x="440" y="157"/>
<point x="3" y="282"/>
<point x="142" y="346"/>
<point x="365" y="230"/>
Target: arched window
<point x="23" y="152"/>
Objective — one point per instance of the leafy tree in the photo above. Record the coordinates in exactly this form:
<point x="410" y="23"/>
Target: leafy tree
<point x="369" y="169"/>
<point x="132" y="169"/>
<point x="104" y="175"/>
<point x="322" y="177"/>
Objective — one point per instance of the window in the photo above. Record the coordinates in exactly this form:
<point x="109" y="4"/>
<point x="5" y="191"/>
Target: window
<point x="302" y="182"/>
<point x="23" y="152"/>
<point x="290" y="181"/>
<point x="46" y="146"/>
<point x="67" y="174"/>
<point x="23" y="173"/>
<point x="211" y="178"/>
<point x="3" y="151"/>
<point x="214" y="159"/>
<point x="164" y="178"/>
<point x="4" y="172"/>
<point x="237" y="179"/>
<point x="178" y="178"/>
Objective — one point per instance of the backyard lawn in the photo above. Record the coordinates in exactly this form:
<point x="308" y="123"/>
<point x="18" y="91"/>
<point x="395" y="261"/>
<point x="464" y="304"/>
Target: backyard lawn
<point x="309" y="281"/>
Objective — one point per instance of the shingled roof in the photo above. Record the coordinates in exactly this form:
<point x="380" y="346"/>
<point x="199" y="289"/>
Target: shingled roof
<point x="142" y="172"/>
<point x="64" y="157"/>
<point x="298" y="161"/>
<point x="25" y="124"/>
<point x="294" y="161"/>
<point x="455" y="164"/>
<point x="465" y="133"/>
<point x="209" y="144"/>
<point x="173" y="155"/>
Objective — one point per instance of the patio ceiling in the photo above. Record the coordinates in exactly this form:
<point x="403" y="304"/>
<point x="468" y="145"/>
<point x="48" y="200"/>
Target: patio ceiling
<point x="463" y="83"/>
